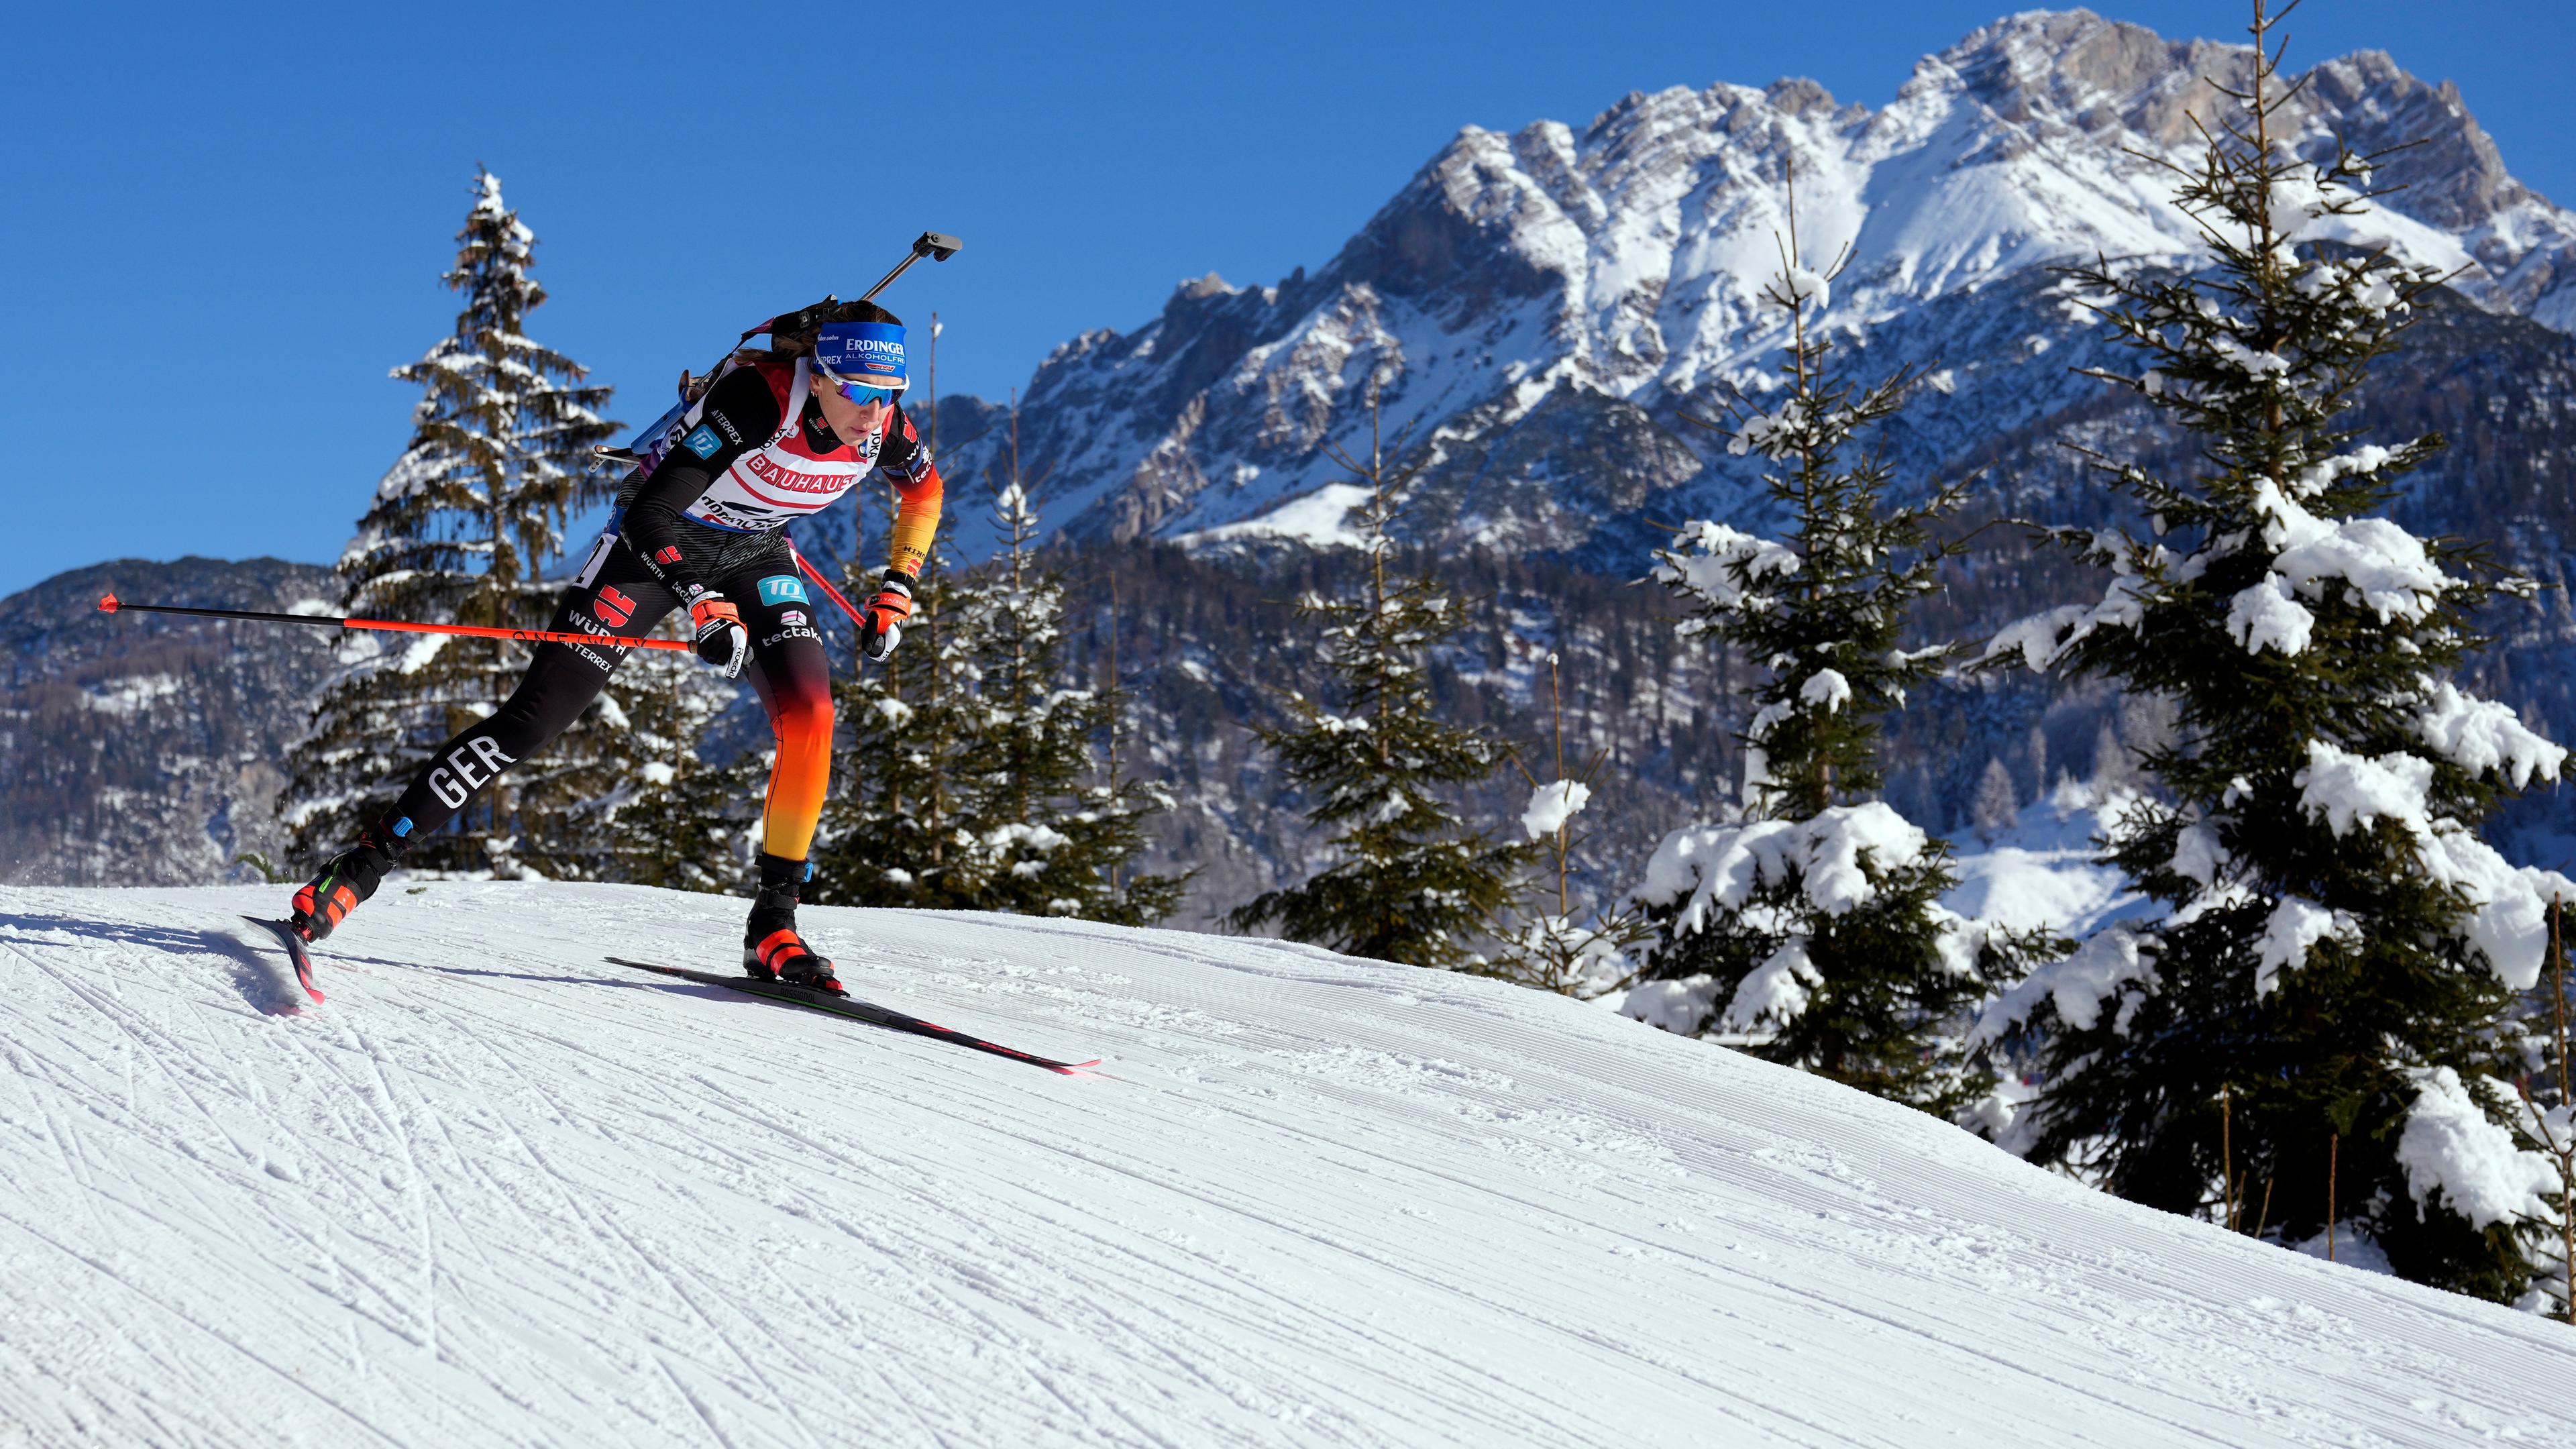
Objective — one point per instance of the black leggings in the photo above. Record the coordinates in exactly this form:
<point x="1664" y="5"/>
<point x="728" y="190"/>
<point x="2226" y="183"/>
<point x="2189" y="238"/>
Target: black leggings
<point x="615" y="595"/>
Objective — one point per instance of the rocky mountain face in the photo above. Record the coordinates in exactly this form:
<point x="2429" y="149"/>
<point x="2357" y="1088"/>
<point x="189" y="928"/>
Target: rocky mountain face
<point x="144" y="749"/>
<point x="1543" y="316"/>
<point x="1542" y="308"/>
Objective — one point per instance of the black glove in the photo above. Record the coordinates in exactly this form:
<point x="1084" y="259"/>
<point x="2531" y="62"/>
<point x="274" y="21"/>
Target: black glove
<point x="882" y="617"/>
<point x="721" y="640"/>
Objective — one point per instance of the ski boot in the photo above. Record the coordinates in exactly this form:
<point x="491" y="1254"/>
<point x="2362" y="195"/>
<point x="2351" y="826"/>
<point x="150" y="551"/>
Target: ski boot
<point x="351" y="877"/>
<point x="771" y="949"/>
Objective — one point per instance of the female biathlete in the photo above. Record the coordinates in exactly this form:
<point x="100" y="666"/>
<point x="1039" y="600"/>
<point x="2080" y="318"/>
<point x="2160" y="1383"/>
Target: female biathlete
<point x="774" y="439"/>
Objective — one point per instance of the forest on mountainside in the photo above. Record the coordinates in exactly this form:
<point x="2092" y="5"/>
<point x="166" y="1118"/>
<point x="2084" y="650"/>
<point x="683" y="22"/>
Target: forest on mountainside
<point x="177" y="784"/>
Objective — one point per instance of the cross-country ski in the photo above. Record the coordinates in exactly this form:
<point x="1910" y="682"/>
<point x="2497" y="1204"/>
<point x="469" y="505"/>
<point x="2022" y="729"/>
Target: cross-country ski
<point x="296" y="956"/>
<point x="834" y="1003"/>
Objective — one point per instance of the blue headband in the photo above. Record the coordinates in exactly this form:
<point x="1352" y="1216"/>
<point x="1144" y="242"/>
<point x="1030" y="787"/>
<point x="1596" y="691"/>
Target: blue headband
<point x="863" y="352"/>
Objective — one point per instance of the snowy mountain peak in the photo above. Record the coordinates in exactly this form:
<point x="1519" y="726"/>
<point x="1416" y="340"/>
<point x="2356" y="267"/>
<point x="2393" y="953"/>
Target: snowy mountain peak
<point x="1525" y="298"/>
<point x="2074" y="69"/>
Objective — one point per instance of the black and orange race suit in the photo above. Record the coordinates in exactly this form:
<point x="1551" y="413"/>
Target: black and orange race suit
<point x="756" y="454"/>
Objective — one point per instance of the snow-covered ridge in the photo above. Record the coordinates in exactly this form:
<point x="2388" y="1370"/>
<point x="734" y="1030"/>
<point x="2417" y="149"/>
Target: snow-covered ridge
<point x="496" y="1191"/>
<point x="1534" y="299"/>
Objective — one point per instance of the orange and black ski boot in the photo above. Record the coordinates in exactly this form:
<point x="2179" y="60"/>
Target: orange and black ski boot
<point x="771" y="949"/>
<point x="351" y="877"/>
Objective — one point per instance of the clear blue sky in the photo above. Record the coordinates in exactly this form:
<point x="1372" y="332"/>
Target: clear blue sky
<point x="226" y="222"/>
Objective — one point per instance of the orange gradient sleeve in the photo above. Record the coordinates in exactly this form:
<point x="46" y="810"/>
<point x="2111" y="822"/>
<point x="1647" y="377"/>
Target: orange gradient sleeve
<point x="916" y="522"/>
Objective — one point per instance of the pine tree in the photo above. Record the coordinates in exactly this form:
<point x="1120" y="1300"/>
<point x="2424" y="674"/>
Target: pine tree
<point x="1809" y="928"/>
<point x="1996" y="802"/>
<point x="1538" y="940"/>
<point x="970" y="753"/>
<point x="2547" y="1119"/>
<point x="675" y="822"/>
<point x="460" y="528"/>
<point x="1128" y="802"/>
<point x="897" y="831"/>
<point x="1412" y="885"/>
<point x="2324" y="1007"/>
<point x="1053" y="844"/>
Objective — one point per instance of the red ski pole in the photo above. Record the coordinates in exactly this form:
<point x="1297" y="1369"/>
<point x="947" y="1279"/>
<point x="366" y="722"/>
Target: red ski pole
<point x="816" y="575"/>
<point x="112" y="605"/>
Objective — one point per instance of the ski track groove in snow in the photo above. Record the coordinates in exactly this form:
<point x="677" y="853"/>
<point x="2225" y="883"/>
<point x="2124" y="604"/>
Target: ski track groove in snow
<point x="496" y="1191"/>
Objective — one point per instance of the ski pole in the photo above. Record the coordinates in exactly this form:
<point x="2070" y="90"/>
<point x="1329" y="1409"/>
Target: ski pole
<point x="111" y="604"/>
<point x="816" y="575"/>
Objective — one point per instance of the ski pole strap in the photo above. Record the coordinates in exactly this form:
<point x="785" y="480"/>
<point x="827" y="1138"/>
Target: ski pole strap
<point x="111" y="604"/>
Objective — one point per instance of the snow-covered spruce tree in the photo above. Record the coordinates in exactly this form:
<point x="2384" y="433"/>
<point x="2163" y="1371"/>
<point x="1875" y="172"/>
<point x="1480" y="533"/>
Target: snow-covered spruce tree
<point x="635" y="802"/>
<point x="1413" y="885"/>
<point x="898" y="828"/>
<point x="1055" y="840"/>
<point x="2322" y="1018"/>
<point x="1538" y="940"/>
<point x="677" y="822"/>
<point x="459" y="530"/>
<point x="1808" y="928"/>
<point x="2547" y="1120"/>
<point x="1996" y="802"/>
<point x="971" y="754"/>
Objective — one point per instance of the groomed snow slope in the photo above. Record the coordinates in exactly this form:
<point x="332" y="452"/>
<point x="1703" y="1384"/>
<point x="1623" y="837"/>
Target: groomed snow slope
<point x="497" y="1192"/>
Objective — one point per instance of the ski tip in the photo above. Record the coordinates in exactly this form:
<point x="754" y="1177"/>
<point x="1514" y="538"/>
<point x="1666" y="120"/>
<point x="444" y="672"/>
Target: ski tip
<point x="294" y="945"/>
<point x="107" y="603"/>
